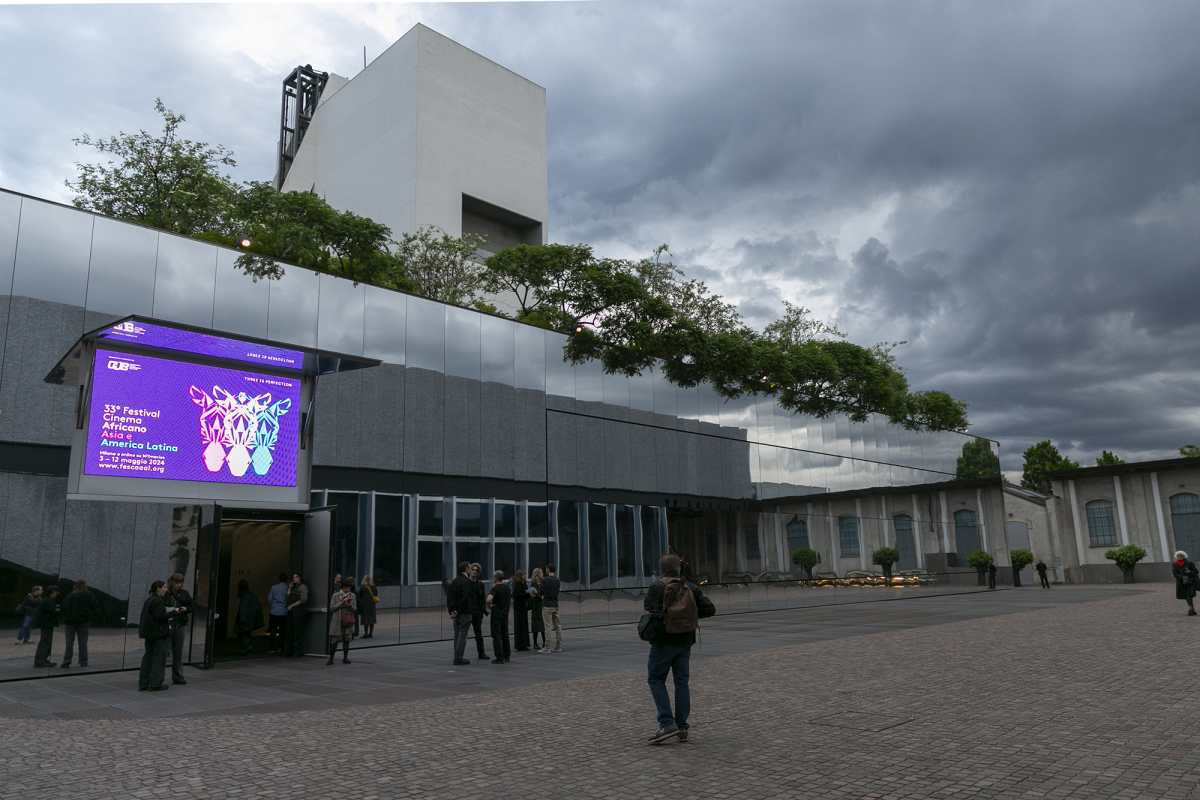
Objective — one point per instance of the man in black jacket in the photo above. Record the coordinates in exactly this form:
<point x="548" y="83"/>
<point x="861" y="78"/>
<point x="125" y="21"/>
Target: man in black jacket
<point x="498" y="603"/>
<point x="46" y="620"/>
<point x="478" y="595"/>
<point x="177" y="598"/>
<point x="671" y="652"/>
<point x="155" y="629"/>
<point x="458" y="604"/>
<point x="79" y="608"/>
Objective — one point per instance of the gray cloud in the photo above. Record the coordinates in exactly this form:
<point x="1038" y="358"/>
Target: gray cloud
<point x="1013" y="189"/>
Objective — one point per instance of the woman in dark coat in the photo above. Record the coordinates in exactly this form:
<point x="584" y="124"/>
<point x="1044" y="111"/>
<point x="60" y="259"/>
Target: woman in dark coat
<point x="249" y="615"/>
<point x="535" y="608"/>
<point x="520" y="604"/>
<point x="1186" y="579"/>
<point x="368" y="596"/>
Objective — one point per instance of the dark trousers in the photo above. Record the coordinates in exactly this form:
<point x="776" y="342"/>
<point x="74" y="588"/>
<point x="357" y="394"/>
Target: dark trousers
<point x="42" y="656"/>
<point x="521" y="628"/>
<point x="276" y="628"/>
<point x="501" y="646"/>
<point x="1044" y="580"/>
<point x="675" y="659"/>
<point x="154" y="664"/>
<point x="477" y="624"/>
<point x="462" y="627"/>
<point x="74" y="632"/>
<point x="991" y="580"/>
<point x="178" y="636"/>
<point x="295" y="631"/>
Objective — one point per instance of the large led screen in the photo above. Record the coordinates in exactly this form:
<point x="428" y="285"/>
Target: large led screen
<point x="164" y="337"/>
<point x="158" y="418"/>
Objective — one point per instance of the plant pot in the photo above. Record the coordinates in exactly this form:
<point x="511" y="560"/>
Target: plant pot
<point x="1127" y="574"/>
<point x="1016" y="577"/>
<point x="887" y="573"/>
<point x="980" y="576"/>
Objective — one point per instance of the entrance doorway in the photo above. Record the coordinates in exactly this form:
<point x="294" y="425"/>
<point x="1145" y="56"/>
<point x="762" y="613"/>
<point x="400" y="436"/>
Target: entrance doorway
<point x="255" y="551"/>
<point x="255" y="546"/>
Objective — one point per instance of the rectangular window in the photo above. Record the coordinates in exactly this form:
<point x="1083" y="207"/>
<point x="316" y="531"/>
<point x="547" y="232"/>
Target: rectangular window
<point x="345" y="533"/>
<point x="750" y="542"/>
<point x="541" y="553"/>
<point x="651" y="549"/>
<point x="568" y="542"/>
<point x="597" y="543"/>
<point x="506" y="558"/>
<point x="626" y="553"/>
<point x="429" y="518"/>
<point x="429" y="562"/>
<point x="539" y="522"/>
<point x="469" y="520"/>
<point x="848" y="536"/>
<point x="506" y="521"/>
<point x="1101" y="530"/>
<point x="389" y="540"/>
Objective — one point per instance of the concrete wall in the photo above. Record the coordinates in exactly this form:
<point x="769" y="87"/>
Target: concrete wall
<point x="1142" y="517"/>
<point x="425" y="123"/>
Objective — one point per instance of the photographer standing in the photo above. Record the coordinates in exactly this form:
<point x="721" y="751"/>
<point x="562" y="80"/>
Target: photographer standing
<point x="179" y="604"/>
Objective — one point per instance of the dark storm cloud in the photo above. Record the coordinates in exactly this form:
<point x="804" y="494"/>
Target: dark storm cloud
<point x="1011" y="188"/>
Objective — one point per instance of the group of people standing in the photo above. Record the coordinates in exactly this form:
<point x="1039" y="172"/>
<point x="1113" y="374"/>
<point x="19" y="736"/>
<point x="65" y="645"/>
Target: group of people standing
<point x="162" y="626"/>
<point x="533" y="603"/>
<point x="287" y="612"/>
<point x="45" y="609"/>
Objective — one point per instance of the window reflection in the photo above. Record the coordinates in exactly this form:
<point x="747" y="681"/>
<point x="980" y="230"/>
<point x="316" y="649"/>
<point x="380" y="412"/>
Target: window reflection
<point x="292" y="307"/>
<point x="425" y="341"/>
<point x="241" y="303"/>
<point x="10" y="213"/>
<point x="598" y="570"/>
<point x="388" y="569"/>
<point x="530" y="358"/>
<point x="385" y="314"/>
<point x="342" y="309"/>
<point x="53" y="246"/>
<point x="499" y="350"/>
<point x="121" y="275"/>
<point x="626" y="553"/>
<point x="568" y="541"/>
<point x="651" y="541"/>
<point x="462" y="343"/>
<point x="185" y="280"/>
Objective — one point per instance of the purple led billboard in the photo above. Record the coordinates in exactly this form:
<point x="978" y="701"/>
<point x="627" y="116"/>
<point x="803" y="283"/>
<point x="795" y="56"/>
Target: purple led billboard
<point x="157" y="418"/>
<point x="148" y="334"/>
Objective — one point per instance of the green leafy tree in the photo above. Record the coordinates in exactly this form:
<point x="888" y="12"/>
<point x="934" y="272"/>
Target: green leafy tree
<point x="1107" y="458"/>
<point x="158" y="179"/>
<point x="885" y="557"/>
<point x="1041" y="460"/>
<point x="1190" y="451"/>
<point x="632" y="315"/>
<point x="1126" y="558"/>
<point x="440" y="266"/>
<point x="806" y="559"/>
<point x="543" y="279"/>
<point x="978" y="460"/>
<point x="1020" y="559"/>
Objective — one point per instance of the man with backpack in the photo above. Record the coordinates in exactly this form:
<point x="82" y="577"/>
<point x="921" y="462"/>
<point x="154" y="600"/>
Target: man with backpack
<point x="674" y="608"/>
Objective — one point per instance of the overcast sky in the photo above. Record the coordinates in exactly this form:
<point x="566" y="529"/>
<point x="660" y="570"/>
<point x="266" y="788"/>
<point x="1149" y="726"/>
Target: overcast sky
<point x="1013" y="189"/>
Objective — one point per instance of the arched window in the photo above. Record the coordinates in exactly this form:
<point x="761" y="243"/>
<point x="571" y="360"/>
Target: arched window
<point x="848" y="536"/>
<point x="966" y="533"/>
<point x="906" y="543"/>
<point x="1101" y="530"/>
<point x="1185" y="522"/>
<point x="797" y="534"/>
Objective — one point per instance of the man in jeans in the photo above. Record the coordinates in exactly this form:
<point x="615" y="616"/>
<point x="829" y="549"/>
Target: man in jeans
<point x="672" y="651"/>
<point x="550" y="619"/>
<point x="459" y="601"/>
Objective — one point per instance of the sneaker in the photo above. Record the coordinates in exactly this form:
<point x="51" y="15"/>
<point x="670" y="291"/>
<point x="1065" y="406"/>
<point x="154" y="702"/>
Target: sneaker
<point x="557" y="650"/>
<point x="683" y="735"/>
<point x="497" y="660"/>
<point x="1191" y="612"/>
<point x="664" y="734"/>
<point x="66" y="666"/>
<point x="460" y="663"/>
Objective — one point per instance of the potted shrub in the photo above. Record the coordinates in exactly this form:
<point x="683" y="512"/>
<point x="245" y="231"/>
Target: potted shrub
<point x="980" y="561"/>
<point x="1020" y="559"/>
<point x="885" y="557"/>
<point x="805" y="558"/>
<point x="1126" y="558"/>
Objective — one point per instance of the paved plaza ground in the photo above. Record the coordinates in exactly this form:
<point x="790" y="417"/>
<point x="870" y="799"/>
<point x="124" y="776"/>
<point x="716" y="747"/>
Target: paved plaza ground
<point x="1071" y="692"/>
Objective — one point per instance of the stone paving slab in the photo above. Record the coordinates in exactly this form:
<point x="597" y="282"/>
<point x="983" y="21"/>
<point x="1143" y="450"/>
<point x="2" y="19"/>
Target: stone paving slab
<point x="1082" y="696"/>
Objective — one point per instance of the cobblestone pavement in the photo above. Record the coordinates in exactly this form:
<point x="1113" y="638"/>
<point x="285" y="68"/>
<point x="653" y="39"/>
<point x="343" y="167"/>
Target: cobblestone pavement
<point x="1083" y="699"/>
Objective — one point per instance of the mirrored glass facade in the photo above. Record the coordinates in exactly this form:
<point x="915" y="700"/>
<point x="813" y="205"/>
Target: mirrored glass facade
<point x="474" y="439"/>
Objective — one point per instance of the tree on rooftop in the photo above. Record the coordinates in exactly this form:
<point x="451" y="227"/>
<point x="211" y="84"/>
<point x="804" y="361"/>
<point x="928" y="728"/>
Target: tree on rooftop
<point x="1108" y="458"/>
<point x="977" y="460"/>
<point x="1041" y="459"/>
